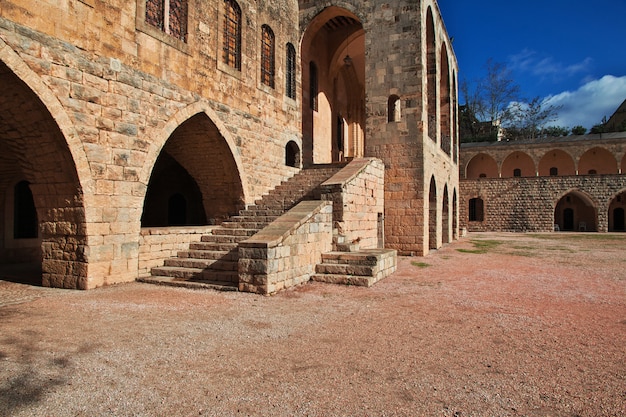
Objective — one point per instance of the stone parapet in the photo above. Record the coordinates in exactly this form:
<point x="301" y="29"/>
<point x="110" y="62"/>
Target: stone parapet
<point x="284" y="254"/>
<point x="358" y="196"/>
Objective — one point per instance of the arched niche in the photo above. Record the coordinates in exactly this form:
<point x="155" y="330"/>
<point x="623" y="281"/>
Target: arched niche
<point x="518" y="161"/>
<point x="482" y="165"/>
<point x="556" y="162"/>
<point x="597" y="161"/>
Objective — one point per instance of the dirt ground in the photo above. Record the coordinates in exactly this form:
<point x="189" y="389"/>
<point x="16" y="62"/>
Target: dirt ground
<point x="494" y="325"/>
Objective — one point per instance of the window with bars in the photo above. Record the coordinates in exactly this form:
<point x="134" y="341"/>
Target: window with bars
<point x="313" y="86"/>
<point x="290" y="87"/>
<point x="170" y="16"/>
<point x="267" y="56"/>
<point x="232" y="34"/>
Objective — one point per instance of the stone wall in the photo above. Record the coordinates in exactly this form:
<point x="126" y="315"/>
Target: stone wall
<point x="112" y="92"/>
<point x="285" y="253"/>
<point x="528" y="204"/>
<point x="358" y="195"/>
<point x="158" y="243"/>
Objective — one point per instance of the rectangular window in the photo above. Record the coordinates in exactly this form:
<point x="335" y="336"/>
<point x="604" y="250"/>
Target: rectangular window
<point x="170" y="16"/>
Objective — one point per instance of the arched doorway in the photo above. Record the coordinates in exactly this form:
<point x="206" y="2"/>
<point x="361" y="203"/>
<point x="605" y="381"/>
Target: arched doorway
<point x="432" y="215"/>
<point x="38" y="174"/>
<point x="195" y="179"/>
<point x="575" y="212"/>
<point x="333" y="80"/>
<point x="617" y="209"/>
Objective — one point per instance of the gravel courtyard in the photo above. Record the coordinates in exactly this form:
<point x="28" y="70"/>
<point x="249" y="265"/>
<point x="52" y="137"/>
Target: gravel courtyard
<point x="494" y="325"/>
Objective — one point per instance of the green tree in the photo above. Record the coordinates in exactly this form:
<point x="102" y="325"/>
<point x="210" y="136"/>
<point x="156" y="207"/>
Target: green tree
<point x="528" y="119"/>
<point x="579" y="130"/>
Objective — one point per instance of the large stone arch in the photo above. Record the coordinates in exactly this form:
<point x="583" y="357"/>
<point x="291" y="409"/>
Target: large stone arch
<point x="576" y="210"/>
<point x="333" y="96"/>
<point x="481" y="165"/>
<point x="41" y="147"/>
<point x="556" y="162"/>
<point x="518" y="160"/>
<point x="616" y="212"/>
<point x="182" y="116"/>
<point x="445" y="216"/>
<point x="197" y="165"/>
<point x="433" y="220"/>
<point x="597" y="160"/>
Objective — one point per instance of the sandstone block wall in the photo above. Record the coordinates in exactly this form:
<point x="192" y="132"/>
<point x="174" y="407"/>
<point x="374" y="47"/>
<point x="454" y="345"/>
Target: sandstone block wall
<point x="158" y="243"/>
<point x="528" y="204"/>
<point x="358" y="195"/>
<point x="285" y="253"/>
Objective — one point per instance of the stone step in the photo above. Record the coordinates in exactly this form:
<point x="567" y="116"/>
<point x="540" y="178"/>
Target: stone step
<point x="360" y="281"/>
<point x="221" y="276"/>
<point x="353" y="258"/>
<point x="259" y="213"/>
<point x="232" y="255"/>
<point x="197" y="263"/>
<point x="197" y="283"/>
<point x="244" y="224"/>
<point x="213" y="246"/>
<point x="175" y="272"/>
<point x="234" y="231"/>
<point x="222" y="238"/>
<point x="343" y="269"/>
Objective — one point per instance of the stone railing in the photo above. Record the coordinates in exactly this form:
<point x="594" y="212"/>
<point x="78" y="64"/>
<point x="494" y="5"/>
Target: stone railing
<point x="284" y="253"/>
<point x="358" y="196"/>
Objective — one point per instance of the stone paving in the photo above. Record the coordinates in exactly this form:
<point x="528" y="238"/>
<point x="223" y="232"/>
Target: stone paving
<point x="16" y="293"/>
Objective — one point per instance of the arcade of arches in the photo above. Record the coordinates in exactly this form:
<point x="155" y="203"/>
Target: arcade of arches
<point x="556" y="185"/>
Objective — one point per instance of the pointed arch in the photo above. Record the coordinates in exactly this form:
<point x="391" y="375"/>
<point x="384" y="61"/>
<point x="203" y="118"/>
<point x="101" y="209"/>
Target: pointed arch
<point x="444" y="101"/>
<point x="445" y="216"/>
<point x="431" y="74"/>
<point x="432" y="214"/>
<point x="576" y="211"/>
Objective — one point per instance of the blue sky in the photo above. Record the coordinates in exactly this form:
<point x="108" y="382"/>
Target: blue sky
<point x="571" y="53"/>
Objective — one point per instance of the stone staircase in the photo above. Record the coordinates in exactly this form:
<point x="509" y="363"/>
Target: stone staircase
<point x="213" y="262"/>
<point x="348" y="265"/>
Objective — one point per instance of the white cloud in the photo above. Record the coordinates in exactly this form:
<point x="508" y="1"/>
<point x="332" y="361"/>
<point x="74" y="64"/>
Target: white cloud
<point x="532" y="62"/>
<point x="590" y="103"/>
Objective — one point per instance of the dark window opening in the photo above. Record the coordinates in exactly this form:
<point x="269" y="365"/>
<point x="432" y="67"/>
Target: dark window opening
<point x="517" y="172"/>
<point x="290" y="87"/>
<point x="554" y="172"/>
<point x="292" y="154"/>
<point x="482" y="175"/>
<point x="25" y="224"/>
<point x="476" y="210"/>
<point x="592" y="172"/>
<point x="313" y="86"/>
<point x="267" y="56"/>
<point x="232" y="34"/>
<point x="393" y="109"/>
<point x="618" y="220"/>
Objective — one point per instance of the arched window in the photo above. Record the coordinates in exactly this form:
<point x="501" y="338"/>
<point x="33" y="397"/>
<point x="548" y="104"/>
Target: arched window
<point x="267" y="56"/>
<point x="25" y="224"/>
<point x="168" y="15"/>
<point x="517" y="172"/>
<point x="554" y="171"/>
<point x="431" y="74"/>
<point x="232" y="34"/>
<point x="313" y="86"/>
<point x="290" y="81"/>
<point x="394" y="112"/>
<point x="476" y="210"/>
<point x="292" y="154"/>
